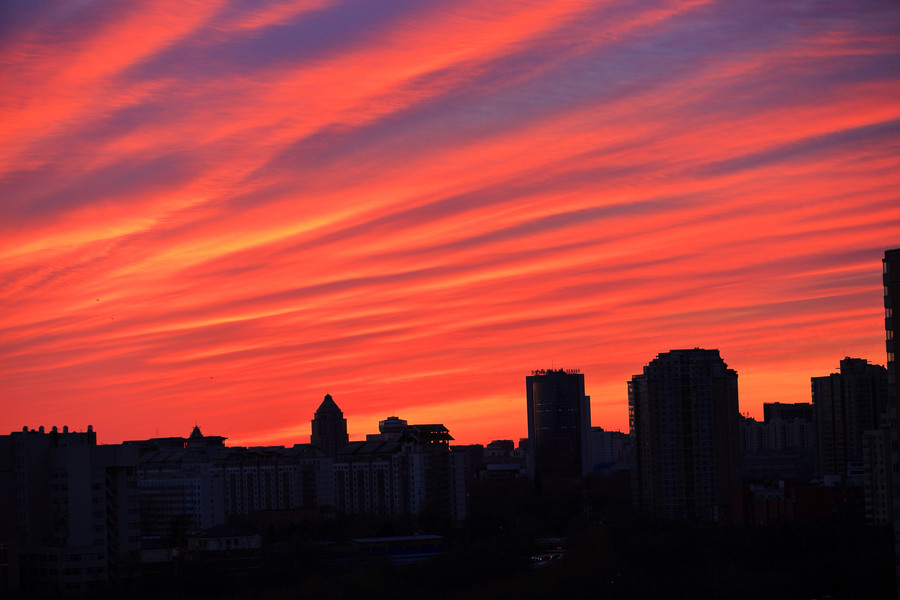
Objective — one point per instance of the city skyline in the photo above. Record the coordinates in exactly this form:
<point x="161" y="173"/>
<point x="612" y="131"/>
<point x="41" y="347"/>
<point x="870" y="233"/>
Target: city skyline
<point x="364" y="431"/>
<point x="222" y="212"/>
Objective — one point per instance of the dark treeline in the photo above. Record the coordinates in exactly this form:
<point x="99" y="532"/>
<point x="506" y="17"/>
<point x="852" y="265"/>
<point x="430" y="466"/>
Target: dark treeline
<point x="610" y="552"/>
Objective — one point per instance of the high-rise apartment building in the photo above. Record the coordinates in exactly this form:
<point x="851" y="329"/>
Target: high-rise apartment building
<point x="684" y="420"/>
<point x="559" y="424"/>
<point x="69" y="509"/>
<point x="891" y="275"/>
<point x="846" y="405"/>
<point x="891" y="280"/>
<point x="329" y="428"/>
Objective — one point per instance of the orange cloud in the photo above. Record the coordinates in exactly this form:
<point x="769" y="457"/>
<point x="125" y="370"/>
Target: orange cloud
<point x="219" y="213"/>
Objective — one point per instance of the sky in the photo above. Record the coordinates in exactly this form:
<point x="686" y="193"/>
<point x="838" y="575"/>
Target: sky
<point x="215" y="212"/>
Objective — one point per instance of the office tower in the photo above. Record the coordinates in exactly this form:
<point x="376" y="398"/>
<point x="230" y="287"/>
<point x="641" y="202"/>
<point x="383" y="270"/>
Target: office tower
<point x="683" y="414"/>
<point x="559" y="424"/>
<point x="329" y="428"/>
<point x="846" y="405"/>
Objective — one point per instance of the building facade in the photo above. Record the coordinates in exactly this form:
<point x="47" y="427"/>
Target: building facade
<point x="609" y="450"/>
<point x="329" y="428"/>
<point x="559" y="424"/>
<point x="178" y="489"/>
<point x="782" y="447"/>
<point x="70" y="511"/>
<point x="683" y="415"/>
<point x="274" y="478"/>
<point x="413" y="475"/>
<point x="847" y="404"/>
<point x="195" y="483"/>
<point x="891" y="279"/>
<point x="74" y="514"/>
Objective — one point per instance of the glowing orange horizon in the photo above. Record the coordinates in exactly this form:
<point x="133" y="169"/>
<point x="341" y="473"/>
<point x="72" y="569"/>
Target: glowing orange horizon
<point x="214" y="212"/>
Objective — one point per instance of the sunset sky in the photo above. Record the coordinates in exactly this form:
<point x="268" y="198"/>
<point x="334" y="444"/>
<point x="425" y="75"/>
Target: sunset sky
<point x="217" y="212"/>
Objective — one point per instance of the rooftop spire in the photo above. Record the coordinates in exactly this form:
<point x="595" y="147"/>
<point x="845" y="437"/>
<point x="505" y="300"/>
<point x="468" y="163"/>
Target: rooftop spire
<point x="329" y="406"/>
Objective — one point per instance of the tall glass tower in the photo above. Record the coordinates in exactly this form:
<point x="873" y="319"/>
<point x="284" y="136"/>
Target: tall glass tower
<point x="559" y="424"/>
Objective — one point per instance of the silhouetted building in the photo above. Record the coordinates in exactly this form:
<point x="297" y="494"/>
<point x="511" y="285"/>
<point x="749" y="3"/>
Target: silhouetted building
<point x="499" y="449"/>
<point x="610" y="450"/>
<point x="802" y="411"/>
<point x="472" y="457"/>
<point x="559" y="424"/>
<point x="411" y="476"/>
<point x="390" y="429"/>
<point x="877" y="461"/>
<point x="225" y="549"/>
<point x="891" y="281"/>
<point x="274" y="478"/>
<point x="753" y="435"/>
<point x="329" y="428"/>
<point x="196" y="483"/>
<point x="783" y="446"/>
<point x="891" y="277"/>
<point x="683" y="413"/>
<point x="9" y="571"/>
<point x="501" y="461"/>
<point x="178" y="488"/>
<point x="69" y="511"/>
<point x="768" y="466"/>
<point x="846" y="405"/>
<point x="789" y="426"/>
<point x="824" y="503"/>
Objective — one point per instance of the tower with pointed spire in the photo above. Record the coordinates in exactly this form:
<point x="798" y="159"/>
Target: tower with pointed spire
<point x="329" y="428"/>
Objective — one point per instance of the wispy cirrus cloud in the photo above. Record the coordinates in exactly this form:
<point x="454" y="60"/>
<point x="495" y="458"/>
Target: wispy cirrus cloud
<point x="219" y="211"/>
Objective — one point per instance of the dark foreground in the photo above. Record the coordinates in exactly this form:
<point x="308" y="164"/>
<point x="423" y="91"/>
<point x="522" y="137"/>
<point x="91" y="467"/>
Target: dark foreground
<point x="610" y="552"/>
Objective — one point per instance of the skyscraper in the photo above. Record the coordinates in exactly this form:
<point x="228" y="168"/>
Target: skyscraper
<point x="559" y="424"/>
<point x="846" y="405"/>
<point x="684" y="419"/>
<point x="891" y="279"/>
<point x="329" y="428"/>
<point x="891" y="275"/>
